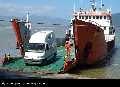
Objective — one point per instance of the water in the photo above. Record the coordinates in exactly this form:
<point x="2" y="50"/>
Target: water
<point x="110" y="70"/>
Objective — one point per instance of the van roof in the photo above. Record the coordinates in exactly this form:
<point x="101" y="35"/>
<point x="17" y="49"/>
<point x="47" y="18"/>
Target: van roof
<point x="39" y="37"/>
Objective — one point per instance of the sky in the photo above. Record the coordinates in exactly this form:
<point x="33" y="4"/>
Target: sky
<point x="51" y="8"/>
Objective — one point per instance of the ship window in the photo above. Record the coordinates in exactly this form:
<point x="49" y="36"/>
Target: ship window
<point x="104" y="28"/>
<point x="110" y="28"/>
<point x="79" y="17"/>
<point x="86" y="17"/>
<point x="100" y="17"/>
<point x="82" y="17"/>
<point x="93" y="17"/>
<point x="104" y="17"/>
<point x="97" y="17"/>
<point x="89" y="17"/>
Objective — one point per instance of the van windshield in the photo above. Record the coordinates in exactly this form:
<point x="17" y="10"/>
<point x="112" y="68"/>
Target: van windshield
<point x="36" y="46"/>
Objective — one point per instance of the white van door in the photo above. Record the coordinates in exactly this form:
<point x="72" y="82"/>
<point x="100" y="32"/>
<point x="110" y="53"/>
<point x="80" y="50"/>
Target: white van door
<point x="48" y="52"/>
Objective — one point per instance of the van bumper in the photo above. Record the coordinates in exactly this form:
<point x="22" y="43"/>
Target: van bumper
<point x="31" y="61"/>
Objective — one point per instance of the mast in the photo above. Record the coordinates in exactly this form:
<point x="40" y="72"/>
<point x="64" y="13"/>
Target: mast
<point x="93" y="5"/>
<point x="28" y="24"/>
<point x="74" y="7"/>
<point x="27" y="17"/>
<point x="102" y="4"/>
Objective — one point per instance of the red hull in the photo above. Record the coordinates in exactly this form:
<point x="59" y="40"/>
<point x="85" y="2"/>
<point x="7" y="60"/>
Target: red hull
<point x="90" y="44"/>
<point x="19" y="40"/>
<point x="89" y="41"/>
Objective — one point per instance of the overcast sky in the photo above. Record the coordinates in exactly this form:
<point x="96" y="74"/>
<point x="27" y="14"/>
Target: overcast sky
<point x="53" y="8"/>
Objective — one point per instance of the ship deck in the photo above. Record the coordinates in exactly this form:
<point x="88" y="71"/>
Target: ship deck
<point x="56" y="66"/>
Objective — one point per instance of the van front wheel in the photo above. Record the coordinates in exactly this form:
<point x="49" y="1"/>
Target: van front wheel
<point x="27" y="64"/>
<point x="54" y="57"/>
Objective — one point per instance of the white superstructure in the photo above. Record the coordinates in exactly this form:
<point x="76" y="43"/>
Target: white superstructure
<point x="100" y="17"/>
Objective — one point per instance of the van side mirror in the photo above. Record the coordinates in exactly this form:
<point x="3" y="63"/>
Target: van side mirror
<point x="47" y="47"/>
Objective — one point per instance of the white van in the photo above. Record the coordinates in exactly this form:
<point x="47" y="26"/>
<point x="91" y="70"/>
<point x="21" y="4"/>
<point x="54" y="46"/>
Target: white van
<point x="42" y="48"/>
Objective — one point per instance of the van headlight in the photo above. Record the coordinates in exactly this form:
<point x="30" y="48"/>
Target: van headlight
<point x="38" y="57"/>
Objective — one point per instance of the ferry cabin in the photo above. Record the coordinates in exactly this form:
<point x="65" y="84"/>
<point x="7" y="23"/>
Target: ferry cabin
<point x="102" y="19"/>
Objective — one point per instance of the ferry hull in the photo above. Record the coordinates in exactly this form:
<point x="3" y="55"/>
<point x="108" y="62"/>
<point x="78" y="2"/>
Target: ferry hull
<point x="89" y="41"/>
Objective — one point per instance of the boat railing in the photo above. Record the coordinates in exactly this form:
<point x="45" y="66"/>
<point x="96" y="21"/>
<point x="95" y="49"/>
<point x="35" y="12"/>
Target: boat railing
<point x="93" y="22"/>
<point x="109" y="37"/>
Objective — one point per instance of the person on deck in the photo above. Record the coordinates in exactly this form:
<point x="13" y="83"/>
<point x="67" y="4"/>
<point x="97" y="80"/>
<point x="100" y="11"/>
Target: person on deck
<point x="68" y="48"/>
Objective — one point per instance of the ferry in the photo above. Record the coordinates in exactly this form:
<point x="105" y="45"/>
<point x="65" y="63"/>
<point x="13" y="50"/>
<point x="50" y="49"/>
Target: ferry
<point x="93" y="34"/>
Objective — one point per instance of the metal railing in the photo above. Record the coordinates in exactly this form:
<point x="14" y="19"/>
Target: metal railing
<point x="109" y="37"/>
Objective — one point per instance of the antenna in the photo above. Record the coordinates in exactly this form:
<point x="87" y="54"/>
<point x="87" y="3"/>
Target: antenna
<point x="93" y="5"/>
<point x="27" y="17"/>
<point x="102" y="5"/>
<point x="74" y="7"/>
<point x="28" y="24"/>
